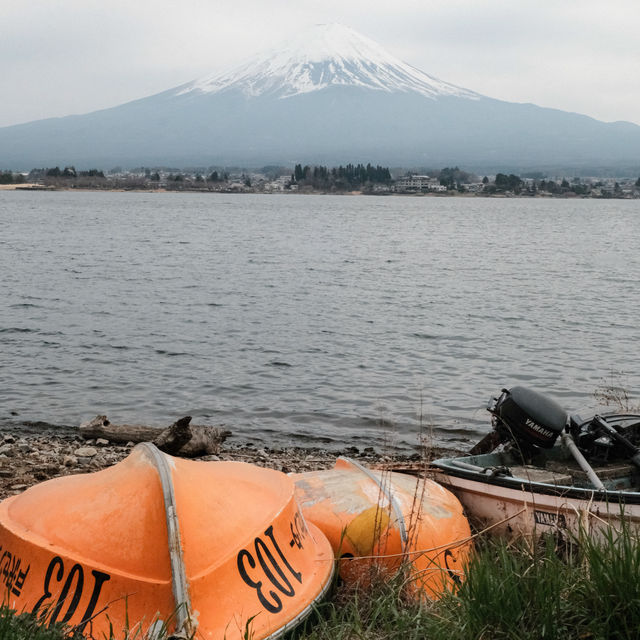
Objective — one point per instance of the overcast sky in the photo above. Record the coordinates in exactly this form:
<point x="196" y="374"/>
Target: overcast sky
<point x="74" y="56"/>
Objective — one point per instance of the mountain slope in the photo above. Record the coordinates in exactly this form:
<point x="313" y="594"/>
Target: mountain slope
<point x="331" y="96"/>
<point x="327" y="56"/>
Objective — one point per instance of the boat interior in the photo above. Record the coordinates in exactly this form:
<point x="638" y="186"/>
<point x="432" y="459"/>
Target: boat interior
<point x="555" y="467"/>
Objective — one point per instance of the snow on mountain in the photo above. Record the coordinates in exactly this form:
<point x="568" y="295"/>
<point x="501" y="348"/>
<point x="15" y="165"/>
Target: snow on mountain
<point x="325" y="55"/>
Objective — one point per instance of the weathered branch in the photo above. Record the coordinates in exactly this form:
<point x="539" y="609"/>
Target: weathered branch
<point x="175" y="437"/>
<point x="181" y="438"/>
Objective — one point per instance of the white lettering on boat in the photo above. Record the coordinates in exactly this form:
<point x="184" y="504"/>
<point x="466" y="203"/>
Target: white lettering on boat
<point x="538" y="428"/>
<point x="549" y="519"/>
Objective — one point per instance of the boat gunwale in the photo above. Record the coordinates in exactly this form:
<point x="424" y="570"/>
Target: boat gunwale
<point x="531" y="486"/>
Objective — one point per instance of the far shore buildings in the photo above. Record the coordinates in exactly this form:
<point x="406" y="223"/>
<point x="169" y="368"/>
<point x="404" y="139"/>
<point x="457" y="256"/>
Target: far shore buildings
<point x="418" y="184"/>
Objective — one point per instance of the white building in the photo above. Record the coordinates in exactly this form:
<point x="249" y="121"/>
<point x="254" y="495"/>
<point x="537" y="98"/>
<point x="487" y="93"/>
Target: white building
<point x="416" y="183"/>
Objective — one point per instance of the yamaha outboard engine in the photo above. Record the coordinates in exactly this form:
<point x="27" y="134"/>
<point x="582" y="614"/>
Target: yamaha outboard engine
<point x="524" y="417"/>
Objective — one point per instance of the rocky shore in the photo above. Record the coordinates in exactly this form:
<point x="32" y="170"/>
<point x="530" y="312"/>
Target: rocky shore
<point x="35" y="452"/>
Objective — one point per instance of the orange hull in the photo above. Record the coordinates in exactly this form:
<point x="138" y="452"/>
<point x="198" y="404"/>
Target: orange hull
<point x="211" y="548"/>
<point x="382" y="520"/>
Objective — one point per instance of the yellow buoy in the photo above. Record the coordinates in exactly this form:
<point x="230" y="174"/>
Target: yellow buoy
<point x="380" y="520"/>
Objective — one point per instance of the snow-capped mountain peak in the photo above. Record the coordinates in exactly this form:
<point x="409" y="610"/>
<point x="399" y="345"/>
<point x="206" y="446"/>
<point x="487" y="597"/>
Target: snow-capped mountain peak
<point x="323" y="56"/>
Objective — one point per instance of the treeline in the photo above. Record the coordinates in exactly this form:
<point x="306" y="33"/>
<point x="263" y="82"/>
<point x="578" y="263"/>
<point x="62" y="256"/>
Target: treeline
<point x="67" y="172"/>
<point x="7" y="177"/>
<point x="511" y="183"/>
<point x="340" y="178"/>
<point x="69" y="177"/>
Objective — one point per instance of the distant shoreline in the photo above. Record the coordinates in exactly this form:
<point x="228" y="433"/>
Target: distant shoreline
<point x="450" y="194"/>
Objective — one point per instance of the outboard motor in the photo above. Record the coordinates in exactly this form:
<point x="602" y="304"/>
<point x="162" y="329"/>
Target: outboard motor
<point x="524" y="417"/>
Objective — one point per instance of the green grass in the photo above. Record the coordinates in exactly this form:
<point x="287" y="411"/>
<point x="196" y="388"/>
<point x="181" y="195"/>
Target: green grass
<point x="26" y="627"/>
<point x="589" y="591"/>
<point x="543" y="591"/>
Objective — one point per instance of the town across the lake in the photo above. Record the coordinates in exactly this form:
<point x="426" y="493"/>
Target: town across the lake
<point x="349" y="179"/>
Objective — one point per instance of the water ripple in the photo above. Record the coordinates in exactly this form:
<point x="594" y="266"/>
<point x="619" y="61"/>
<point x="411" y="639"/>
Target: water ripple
<point x="311" y="319"/>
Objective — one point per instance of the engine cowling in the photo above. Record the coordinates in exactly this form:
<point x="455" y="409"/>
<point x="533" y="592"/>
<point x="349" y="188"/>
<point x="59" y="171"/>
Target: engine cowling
<point x="529" y="417"/>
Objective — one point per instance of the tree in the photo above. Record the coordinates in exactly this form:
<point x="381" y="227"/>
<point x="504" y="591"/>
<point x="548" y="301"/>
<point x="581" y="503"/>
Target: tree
<point x="510" y="182"/>
<point x="580" y="189"/>
<point x="448" y="177"/>
<point x="552" y="187"/>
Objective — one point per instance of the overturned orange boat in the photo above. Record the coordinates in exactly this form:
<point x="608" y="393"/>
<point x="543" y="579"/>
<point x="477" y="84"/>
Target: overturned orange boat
<point x="219" y="550"/>
<point x="382" y="521"/>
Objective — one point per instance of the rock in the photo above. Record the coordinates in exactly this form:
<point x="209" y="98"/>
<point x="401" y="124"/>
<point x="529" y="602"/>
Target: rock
<point x="6" y="473"/>
<point x="23" y="447"/>
<point x="102" y="442"/>
<point x="48" y="468"/>
<point x="83" y="461"/>
<point x="70" y="461"/>
<point x="86" y="452"/>
<point x="18" y="487"/>
<point x="9" y="439"/>
<point x="6" y="449"/>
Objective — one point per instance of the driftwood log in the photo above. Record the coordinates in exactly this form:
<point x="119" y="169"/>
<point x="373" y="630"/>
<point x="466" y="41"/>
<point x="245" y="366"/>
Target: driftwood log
<point x="182" y="438"/>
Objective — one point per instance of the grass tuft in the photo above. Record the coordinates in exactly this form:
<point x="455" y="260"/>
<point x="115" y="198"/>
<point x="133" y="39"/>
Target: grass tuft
<point x="511" y="592"/>
<point x="26" y="626"/>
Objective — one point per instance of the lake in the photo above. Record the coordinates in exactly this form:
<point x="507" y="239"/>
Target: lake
<point x="311" y="320"/>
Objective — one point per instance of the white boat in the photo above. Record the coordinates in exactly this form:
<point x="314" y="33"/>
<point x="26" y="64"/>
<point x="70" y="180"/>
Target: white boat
<point x="541" y="469"/>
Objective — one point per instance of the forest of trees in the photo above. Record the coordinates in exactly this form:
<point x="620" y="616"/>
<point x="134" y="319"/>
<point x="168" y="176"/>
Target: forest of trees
<point x="340" y="178"/>
<point x="7" y="177"/>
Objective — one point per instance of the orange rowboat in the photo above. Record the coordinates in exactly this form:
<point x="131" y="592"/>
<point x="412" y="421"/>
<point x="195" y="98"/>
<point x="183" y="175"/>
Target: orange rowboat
<point x="215" y="549"/>
<point x="379" y="520"/>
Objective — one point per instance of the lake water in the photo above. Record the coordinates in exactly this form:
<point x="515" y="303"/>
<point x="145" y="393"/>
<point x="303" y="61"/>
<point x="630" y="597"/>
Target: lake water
<point x="312" y="320"/>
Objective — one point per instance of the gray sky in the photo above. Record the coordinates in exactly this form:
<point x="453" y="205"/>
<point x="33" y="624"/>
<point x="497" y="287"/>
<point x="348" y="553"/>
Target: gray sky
<point x="74" y="56"/>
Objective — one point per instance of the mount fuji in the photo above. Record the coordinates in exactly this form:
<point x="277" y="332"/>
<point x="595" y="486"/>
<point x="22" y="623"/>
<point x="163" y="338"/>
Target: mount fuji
<point x="328" y="96"/>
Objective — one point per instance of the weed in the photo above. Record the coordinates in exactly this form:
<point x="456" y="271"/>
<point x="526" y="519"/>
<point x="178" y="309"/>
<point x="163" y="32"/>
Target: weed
<point x="613" y="393"/>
